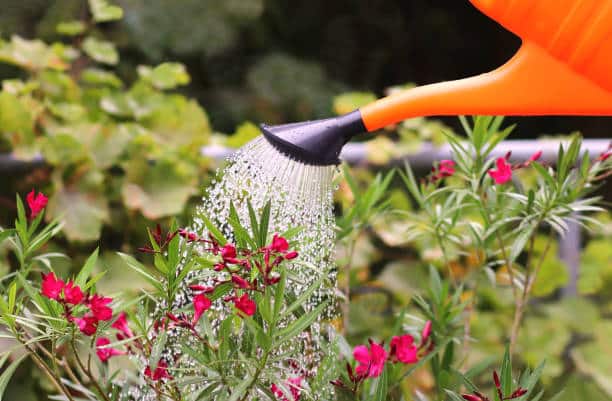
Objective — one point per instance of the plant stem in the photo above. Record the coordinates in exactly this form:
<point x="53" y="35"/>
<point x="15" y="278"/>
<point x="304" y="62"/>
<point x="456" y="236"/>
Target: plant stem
<point x="529" y="281"/>
<point x="88" y="372"/>
<point x="43" y="366"/>
<point x="347" y="287"/>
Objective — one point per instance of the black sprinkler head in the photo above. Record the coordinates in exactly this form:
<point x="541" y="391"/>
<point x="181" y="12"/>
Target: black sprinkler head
<point x="317" y="142"/>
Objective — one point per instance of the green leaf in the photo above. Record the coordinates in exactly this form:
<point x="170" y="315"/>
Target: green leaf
<point x="165" y="76"/>
<point x="98" y="77"/>
<point x="158" y="347"/>
<point x="506" y="373"/>
<point x="350" y="101"/>
<point x="246" y="132"/>
<point x="101" y="50"/>
<point x="104" y="12"/>
<point x="87" y="268"/>
<point x="83" y="211"/>
<point x="300" y="324"/>
<point x="381" y="385"/>
<point x="5" y="233"/>
<point x="8" y="373"/>
<point x="70" y="28"/>
<point x="16" y="122"/>
<point x="158" y="189"/>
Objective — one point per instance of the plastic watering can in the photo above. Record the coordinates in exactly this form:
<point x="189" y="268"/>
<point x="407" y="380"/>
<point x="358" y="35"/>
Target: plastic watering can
<point x="564" y="67"/>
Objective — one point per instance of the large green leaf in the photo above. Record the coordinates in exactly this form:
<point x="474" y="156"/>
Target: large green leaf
<point x="160" y="188"/>
<point x="83" y="208"/>
<point x="101" y="50"/>
<point x="104" y="12"/>
<point x="32" y="54"/>
<point x="165" y="75"/>
<point x="16" y="123"/>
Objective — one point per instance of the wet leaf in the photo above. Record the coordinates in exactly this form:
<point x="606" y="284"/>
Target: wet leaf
<point x="16" y="123"/>
<point x="94" y="76"/>
<point x="31" y="54"/>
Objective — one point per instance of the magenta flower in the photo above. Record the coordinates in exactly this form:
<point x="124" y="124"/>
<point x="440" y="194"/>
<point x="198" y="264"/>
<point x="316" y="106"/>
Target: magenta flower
<point x="447" y="168"/>
<point x="294" y="384"/>
<point x="291" y="255"/>
<point x="245" y="305"/>
<point x="98" y="306"/>
<point x="105" y="353"/>
<point x="36" y="203"/>
<point x="503" y="173"/>
<point x="403" y="349"/>
<point x="121" y="324"/>
<point x="228" y="251"/>
<point x="88" y="324"/>
<point x="51" y="286"/>
<point x="372" y="361"/>
<point x="279" y="244"/>
<point x="426" y="332"/>
<point x="160" y="372"/>
<point x="536" y="156"/>
<point x="73" y="294"/>
<point x="201" y="303"/>
<point x="240" y="282"/>
<point x="471" y="397"/>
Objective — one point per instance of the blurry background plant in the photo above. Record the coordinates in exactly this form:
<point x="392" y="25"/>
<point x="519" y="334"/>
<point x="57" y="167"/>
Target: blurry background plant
<point x="122" y="148"/>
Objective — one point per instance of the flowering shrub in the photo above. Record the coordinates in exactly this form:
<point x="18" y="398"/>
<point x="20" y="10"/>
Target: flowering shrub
<point x="223" y="319"/>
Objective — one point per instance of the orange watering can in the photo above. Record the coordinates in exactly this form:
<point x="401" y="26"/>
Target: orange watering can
<point x="564" y="67"/>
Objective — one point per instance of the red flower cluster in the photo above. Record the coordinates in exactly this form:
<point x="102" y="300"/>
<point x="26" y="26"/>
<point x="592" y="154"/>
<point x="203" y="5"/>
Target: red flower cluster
<point x="36" y="203"/>
<point x="160" y="371"/>
<point x="239" y="263"/>
<point x="371" y="361"/>
<point x="476" y="396"/>
<point x="446" y="168"/>
<point x="70" y="296"/>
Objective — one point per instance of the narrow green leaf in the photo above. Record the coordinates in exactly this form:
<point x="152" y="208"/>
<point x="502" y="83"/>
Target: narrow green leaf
<point x="382" y="385"/>
<point x="216" y="233"/>
<point x="506" y="373"/>
<point x="300" y="324"/>
<point x="8" y="373"/>
<point x="87" y="268"/>
<point x="5" y="233"/>
<point x="264" y="223"/>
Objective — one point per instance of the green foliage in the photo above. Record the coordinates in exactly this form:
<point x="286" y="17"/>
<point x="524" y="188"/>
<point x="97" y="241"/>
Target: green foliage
<point x="108" y="142"/>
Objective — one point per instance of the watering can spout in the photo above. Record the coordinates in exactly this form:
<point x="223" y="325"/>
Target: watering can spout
<point x="562" y="68"/>
<point x="531" y="83"/>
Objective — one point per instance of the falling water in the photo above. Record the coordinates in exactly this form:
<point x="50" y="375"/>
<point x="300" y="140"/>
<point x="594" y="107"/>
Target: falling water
<point x="300" y="196"/>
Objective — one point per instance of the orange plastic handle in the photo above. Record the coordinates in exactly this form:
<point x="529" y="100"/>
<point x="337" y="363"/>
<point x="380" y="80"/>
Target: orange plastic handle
<point x="564" y="67"/>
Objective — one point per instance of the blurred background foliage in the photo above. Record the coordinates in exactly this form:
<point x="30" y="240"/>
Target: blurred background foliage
<point x="119" y="102"/>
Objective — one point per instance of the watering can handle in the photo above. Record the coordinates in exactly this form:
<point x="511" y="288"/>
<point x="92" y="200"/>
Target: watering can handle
<point x="549" y="75"/>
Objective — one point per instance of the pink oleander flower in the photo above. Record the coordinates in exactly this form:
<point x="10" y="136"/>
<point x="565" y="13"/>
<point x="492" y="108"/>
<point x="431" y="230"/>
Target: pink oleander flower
<point x="105" y="353"/>
<point x="88" y="324"/>
<point x="160" y="372"/>
<point x="228" y="251"/>
<point x="536" y="156"/>
<point x="503" y="173"/>
<point x="36" y="203"/>
<point x="203" y="288"/>
<point x="240" y="282"/>
<point x="291" y="255"/>
<point x="51" y="286"/>
<point x="426" y="332"/>
<point x="98" y="306"/>
<point x="403" y="349"/>
<point x="73" y="293"/>
<point x="201" y="303"/>
<point x="447" y="168"/>
<point x="295" y="386"/>
<point x="245" y="304"/>
<point x="471" y="397"/>
<point x="371" y="361"/>
<point x="279" y="244"/>
<point x="121" y="324"/>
